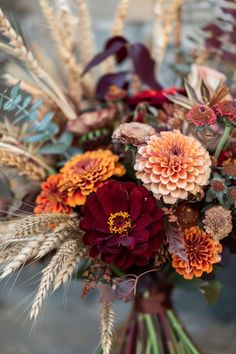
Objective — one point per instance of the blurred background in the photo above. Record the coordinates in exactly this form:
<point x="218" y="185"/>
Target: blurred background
<point x="69" y="325"/>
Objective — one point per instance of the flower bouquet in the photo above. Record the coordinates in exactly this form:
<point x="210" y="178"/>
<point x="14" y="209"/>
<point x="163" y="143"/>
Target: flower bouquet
<point x="133" y="186"/>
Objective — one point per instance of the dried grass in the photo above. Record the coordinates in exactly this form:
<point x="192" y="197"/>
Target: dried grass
<point x="17" y="49"/>
<point x="107" y="327"/>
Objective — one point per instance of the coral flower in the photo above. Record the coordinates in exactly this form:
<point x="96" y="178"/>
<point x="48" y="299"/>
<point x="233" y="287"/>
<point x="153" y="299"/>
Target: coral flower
<point x="51" y="199"/>
<point x="201" y="115"/>
<point x="83" y="174"/>
<point x="226" y="109"/>
<point x="202" y="252"/>
<point x="122" y="224"/>
<point x="172" y="165"/>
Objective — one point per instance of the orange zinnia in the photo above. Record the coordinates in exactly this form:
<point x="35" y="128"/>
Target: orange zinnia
<point x="201" y="251"/>
<point x="51" y="199"/>
<point x="85" y="173"/>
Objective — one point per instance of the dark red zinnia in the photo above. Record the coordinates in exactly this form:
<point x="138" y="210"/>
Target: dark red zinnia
<point x="226" y="109"/>
<point x="122" y="224"/>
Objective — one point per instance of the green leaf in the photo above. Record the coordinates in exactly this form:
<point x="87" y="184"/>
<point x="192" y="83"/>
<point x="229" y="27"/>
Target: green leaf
<point x="211" y="290"/>
<point x="66" y="139"/>
<point x="15" y="91"/>
<point x="25" y="104"/>
<point x="37" y="104"/>
<point x="43" y="124"/>
<point x="53" y="149"/>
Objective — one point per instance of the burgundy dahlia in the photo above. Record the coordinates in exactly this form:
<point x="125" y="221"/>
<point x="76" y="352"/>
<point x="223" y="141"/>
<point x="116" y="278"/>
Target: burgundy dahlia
<point x="122" y="224"/>
<point x="226" y="109"/>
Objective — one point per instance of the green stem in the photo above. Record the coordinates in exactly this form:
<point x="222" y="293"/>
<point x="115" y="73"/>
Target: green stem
<point x="138" y="347"/>
<point x="149" y="345"/>
<point x="223" y="140"/>
<point x="116" y="271"/>
<point x="153" y="335"/>
<point x="181" y="332"/>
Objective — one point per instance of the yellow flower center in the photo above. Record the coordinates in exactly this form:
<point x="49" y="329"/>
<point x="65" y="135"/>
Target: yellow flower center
<point x="119" y="223"/>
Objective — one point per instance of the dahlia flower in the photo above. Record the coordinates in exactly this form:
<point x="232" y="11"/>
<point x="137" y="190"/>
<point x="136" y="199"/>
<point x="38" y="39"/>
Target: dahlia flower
<point x="133" y="133"/>
<point x="172" y="165"/>
<point x="83" y="174"/>
<point x="201" y="115"/>
<point x="51" y="199"/>
<point x="218" y="222"/>
<point x="122" y="224"/>
<point x="201" y="251"/>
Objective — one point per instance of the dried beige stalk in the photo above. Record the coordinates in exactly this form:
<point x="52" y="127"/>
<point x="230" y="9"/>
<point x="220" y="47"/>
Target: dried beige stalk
<point x="107" y="327"/>
<point x="37" y="224"/>
<point x="49" y="274"/>
<point x="26" y="253"/>
<point x="86" y="37"/>
<point x="23" y="164"/>
<point x="68" y="268"/>
<point x="117" y="30"/>
<point x="11" y="252"/>
<point x="17" y="49"/>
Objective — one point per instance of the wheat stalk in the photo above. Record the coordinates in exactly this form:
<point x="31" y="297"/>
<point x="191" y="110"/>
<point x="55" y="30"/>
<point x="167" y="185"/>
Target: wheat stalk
<point x="86" y="37"/>
<point x="26" y="253"/>
<point x="49" y="274"/>
<point x="59" y="235"/>
<point x="68" y="268"/>
<point x="117" y="30"/>
<point x="37" y="224"/>
<point x="11" y="252"/>
<point x="107" y="327"/>
<point x="17" y="49"/>
<point x="22" y="164"/>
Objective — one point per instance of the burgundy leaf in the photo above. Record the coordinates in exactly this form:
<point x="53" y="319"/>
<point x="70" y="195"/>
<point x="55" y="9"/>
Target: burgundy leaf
<point x="123" y="290"/>
<point x="214" y="29"/>
<point x="144" y="65"/>
<point x="175" y="240"/>
<point x="117" y="79"/>
<point x="212" y="43"/>
<point x="123" y="52"/>
<point x="229" y="11"/>
<point x="115" y="48"/>
<point x="231" y="57"/>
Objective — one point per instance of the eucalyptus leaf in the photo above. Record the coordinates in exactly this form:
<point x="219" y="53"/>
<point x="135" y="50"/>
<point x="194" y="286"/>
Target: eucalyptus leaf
<point x="66" y="138"/>
<point x="15" y="90"/>
<point x="54" y="149"/>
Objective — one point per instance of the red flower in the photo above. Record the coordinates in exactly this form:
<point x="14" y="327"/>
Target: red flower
<point x="123" y="224"/>
<point x="152" y="97"/>
<point x="201" y="115"/>
<point x="226" y="109"/>
<point x="226" y="154"/>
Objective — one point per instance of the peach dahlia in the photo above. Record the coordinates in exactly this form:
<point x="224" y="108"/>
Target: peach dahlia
<point x="85" y="173"/>
<point x="173" y="165"/>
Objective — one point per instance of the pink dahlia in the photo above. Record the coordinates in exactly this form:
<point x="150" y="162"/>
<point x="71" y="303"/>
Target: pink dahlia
<point x="123" y="224"/>
<point x="173" y="165"/>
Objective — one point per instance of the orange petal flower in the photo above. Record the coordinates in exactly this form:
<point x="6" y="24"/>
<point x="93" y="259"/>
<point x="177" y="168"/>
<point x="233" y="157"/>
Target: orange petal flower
<point x="202" y="252"/>
<point x="173" y="165"/>
<point x="85" y="173"/>
<point x="51" y="199"/>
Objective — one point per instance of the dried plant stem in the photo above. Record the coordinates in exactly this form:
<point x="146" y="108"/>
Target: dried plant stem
<point x="117" y="30"/>
<point x="167" y="21"/>
<point x="37" y="224"/>
<point x="64" y="47"/>
<point x="27" y="253"/>
<point x="107" y="327"/>
<point x="21" y="162"/>
<point x="49" y="274"/>
<point x="86" y="36"/>
<point x="17" y="48"/>
<point x="69" y="268"/>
